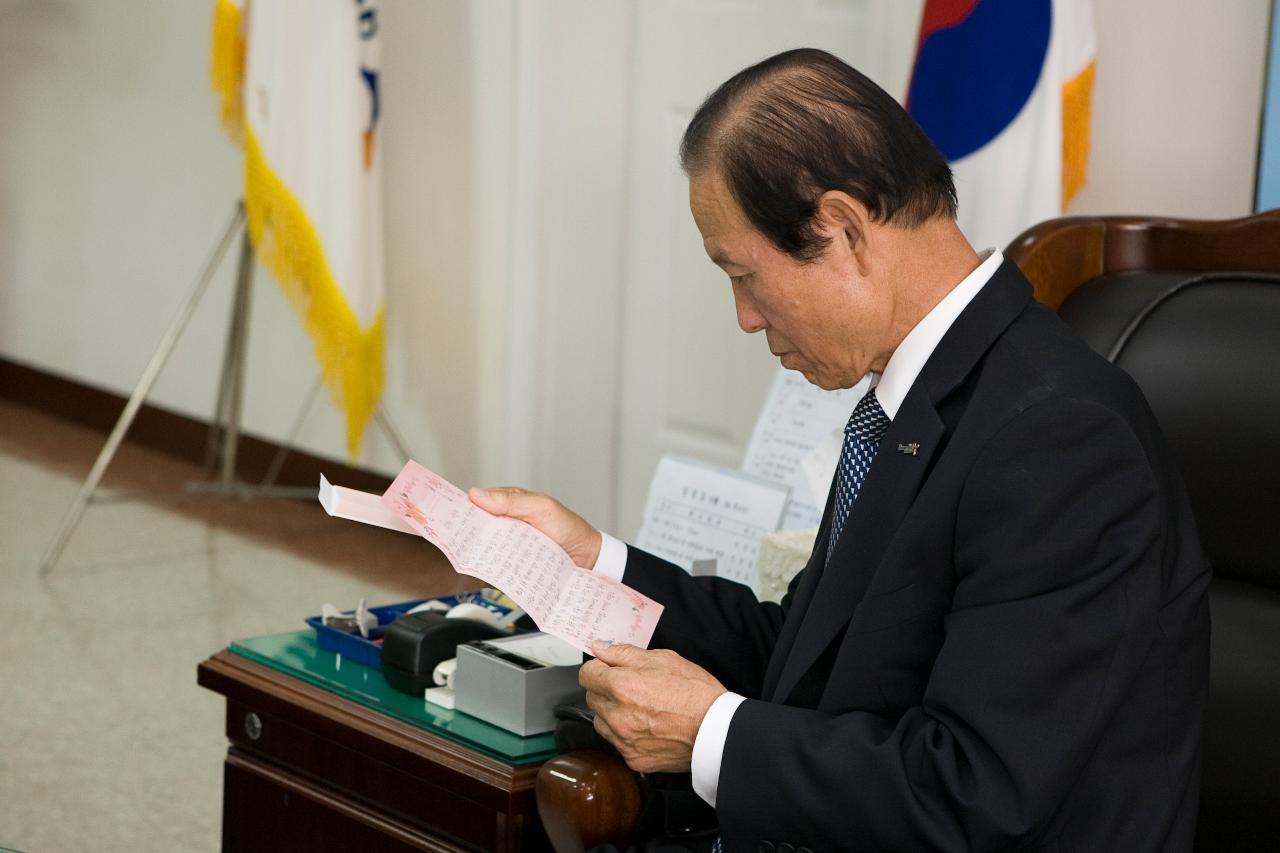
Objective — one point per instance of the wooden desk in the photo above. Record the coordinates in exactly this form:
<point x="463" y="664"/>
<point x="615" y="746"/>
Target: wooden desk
<point x="309" y="770"/>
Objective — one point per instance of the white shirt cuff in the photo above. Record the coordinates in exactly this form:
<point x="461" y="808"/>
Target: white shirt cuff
<point x="612" y="562"/>
<point x="708" y="746"/>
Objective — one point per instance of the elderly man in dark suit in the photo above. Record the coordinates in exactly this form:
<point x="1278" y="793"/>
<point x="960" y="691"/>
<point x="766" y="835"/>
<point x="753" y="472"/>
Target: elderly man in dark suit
<point x="1000" y="641"/>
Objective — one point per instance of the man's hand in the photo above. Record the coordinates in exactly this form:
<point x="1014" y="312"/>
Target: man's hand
<point x="564" y="527"/>
<point x="648" y="704"/>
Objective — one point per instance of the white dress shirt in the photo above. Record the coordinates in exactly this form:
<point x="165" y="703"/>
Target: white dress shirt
<point x="891" y="389"/>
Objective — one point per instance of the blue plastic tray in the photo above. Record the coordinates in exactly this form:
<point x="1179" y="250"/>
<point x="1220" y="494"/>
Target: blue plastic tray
<point x="354" y="647"/>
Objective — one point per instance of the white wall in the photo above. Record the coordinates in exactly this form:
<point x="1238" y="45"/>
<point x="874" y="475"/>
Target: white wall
<point x="114" y="183"/>
<point x="574" y="73"/>
<point x="449" y="78"/>
<point x="1177" y="106"/>
<point x="505" y="161"/>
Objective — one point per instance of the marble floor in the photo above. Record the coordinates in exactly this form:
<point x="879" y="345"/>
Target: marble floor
<point x="106" y="742"/>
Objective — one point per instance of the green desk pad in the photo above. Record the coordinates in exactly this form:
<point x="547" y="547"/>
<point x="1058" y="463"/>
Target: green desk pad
<point x="296" y="653"/>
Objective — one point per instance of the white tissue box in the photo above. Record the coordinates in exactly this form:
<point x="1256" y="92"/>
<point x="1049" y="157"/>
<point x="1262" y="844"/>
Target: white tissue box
<point x="782" y="555"/>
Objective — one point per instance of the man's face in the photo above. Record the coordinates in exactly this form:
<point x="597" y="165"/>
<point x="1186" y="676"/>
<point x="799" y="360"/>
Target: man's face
<point x="823" y="318"/>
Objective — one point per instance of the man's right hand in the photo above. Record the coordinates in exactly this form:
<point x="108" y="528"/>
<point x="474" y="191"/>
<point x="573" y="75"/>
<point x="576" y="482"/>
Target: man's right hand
<point x="564" y="527"/>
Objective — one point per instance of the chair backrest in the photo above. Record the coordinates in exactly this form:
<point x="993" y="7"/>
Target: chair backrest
<point x="1192" y="311"/>
<point x="1205" y="349"/>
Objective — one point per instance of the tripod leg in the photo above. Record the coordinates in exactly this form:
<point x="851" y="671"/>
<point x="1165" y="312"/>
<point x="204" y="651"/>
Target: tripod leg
<point x="397" y="440"/>
<point x="238" y="350"/>
<point x="277" y="463"/>
<point x="149" y="376"/>
<point x="213" y="441"/>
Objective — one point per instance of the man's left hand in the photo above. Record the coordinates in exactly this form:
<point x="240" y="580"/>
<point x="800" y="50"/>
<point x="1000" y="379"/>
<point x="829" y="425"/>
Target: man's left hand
<point x="648" y="704"/>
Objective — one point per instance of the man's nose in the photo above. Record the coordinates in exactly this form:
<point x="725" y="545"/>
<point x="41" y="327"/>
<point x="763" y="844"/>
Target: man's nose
<point x="749" y="317"/>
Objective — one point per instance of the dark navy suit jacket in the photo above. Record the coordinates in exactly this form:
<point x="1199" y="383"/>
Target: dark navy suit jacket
<point x="1008" y="649"/>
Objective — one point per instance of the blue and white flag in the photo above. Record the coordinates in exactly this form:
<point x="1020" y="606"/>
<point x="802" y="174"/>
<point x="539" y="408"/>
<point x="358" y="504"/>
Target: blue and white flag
<point x="1003" y="88"/>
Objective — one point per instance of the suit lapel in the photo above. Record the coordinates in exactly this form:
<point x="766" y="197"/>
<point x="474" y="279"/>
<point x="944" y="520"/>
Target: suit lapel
<point x="826" y="600"/>
<point x="888" y="492"/>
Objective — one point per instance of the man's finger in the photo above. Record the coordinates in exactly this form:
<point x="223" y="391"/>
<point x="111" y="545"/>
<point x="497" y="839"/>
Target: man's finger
<point x="591" y="676"/>
<point x="602" y="729"/>
<point x="600" y="703"/>
<point x="617" y="654"/>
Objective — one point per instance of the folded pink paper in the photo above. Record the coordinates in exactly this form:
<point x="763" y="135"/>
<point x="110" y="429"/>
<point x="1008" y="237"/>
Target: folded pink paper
<point x="565" y="600"/>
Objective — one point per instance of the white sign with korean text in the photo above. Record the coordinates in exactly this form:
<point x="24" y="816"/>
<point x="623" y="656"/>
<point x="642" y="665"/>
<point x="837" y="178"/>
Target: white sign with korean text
<point x="796" y="418"/>
<point x="700" y="512"/>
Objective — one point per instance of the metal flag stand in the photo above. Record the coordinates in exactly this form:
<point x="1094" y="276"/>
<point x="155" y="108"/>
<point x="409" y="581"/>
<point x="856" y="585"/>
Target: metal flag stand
<point x="224" y="430"/>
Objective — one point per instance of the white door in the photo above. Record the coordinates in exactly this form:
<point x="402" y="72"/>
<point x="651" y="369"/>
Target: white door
<point x="691" y="382"/>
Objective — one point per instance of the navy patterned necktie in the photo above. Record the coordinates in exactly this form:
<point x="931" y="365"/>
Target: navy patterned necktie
<point x="867" y="425"/>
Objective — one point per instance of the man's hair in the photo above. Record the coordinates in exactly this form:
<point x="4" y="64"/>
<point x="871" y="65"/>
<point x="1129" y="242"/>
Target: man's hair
<point x="788" y="129"/>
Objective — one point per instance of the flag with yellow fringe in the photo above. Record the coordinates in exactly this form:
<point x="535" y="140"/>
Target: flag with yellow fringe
<point x="1004" y="89"/>
<point x="298" y="86"/>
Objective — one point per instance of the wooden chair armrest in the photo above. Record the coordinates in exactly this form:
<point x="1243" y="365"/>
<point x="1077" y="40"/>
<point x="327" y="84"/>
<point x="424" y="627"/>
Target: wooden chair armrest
<point x="587" y="798"/>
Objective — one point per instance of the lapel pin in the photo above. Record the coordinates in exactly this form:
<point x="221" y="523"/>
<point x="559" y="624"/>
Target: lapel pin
<point x="910" y="449"/>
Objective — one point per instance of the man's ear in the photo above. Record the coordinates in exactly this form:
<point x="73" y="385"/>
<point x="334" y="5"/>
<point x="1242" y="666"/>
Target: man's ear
<point x="843" y="218"/>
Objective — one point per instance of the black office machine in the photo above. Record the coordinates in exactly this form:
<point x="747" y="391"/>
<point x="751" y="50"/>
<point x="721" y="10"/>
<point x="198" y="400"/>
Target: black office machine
<point x="416" y="643"/>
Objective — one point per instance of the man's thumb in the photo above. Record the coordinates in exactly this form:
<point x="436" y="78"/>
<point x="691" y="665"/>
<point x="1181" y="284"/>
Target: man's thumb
<point x="615" y="654"/>
<point x="494" y="501"/>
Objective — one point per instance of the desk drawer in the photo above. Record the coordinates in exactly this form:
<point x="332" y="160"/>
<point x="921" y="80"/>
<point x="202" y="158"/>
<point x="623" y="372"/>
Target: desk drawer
<point x="414" y="791"/>
<point x="268" y="809"/>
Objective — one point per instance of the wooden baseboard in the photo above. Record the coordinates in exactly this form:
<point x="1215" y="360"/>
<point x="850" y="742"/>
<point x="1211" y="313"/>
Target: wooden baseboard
<point x="169" y="432"/>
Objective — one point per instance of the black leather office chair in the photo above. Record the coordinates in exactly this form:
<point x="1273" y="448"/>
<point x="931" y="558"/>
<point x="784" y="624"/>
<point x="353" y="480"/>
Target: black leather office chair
<point x="1192" y="311"/>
